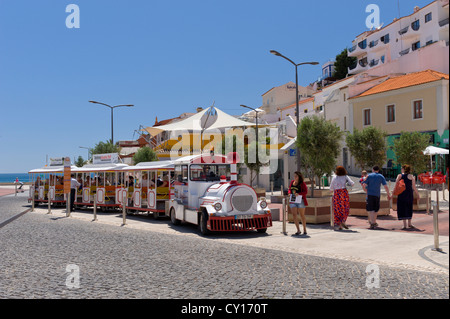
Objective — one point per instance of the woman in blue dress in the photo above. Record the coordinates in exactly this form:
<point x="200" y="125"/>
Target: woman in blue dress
<point x="405" y="200"/>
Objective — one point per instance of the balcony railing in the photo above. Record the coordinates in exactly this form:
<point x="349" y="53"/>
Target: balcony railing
<point x="363" y="62"/>
<point x="404" y="52"/>
<point x="404" y="30"/>
<point x="373" y="43"/>
<point x="374" y="62"/>
<point x="353" y="48"/>
<point x="443" y="22"/>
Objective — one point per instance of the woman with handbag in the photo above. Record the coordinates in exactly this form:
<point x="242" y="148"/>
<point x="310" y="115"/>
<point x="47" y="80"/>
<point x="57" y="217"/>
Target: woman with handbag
<point x="341" y="199"/>
<point x="297" y="201"/>
<point x="406" y="197"/>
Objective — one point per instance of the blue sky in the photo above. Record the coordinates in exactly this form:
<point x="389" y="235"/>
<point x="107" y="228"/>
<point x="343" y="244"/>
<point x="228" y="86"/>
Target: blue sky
<point x="165" y="57"/>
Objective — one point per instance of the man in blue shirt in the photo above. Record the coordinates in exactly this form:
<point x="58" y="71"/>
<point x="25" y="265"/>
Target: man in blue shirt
<point x="372" y="186"/>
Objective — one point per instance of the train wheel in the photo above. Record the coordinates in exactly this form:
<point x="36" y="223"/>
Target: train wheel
<point x="202" y="225"/>
<point x="173" y="218"/>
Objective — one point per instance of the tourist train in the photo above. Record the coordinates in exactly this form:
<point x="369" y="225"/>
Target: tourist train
<point x="199" y="189"/>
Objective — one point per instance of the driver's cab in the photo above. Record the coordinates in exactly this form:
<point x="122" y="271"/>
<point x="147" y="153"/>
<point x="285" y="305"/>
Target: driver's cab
<point x="195" y="174"/>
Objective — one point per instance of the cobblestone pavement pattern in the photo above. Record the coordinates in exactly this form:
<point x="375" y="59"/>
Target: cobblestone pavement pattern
<point x="116" y="262"/>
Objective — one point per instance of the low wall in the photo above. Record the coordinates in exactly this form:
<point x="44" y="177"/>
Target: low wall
<point x="317" y="211"/>
<point x="358" y="204"/>
<point x="418" y="204"/>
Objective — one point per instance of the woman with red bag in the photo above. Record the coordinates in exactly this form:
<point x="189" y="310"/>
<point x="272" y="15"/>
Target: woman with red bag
<point x="406" y="198"/>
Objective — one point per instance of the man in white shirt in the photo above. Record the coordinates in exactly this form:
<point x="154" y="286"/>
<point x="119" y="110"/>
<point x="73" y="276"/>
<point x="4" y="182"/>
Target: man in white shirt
<point x="74" y="184"/>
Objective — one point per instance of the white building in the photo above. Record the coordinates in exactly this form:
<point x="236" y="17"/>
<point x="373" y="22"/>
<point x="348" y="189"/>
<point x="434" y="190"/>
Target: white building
<point x="412" y="43"/>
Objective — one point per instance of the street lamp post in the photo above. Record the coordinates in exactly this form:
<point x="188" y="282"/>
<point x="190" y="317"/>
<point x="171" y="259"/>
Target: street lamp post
<point x="296" y="93"/>
<point x="112" y="115"/>
<point x="257" y="140"/>
<point x="89" y="151"/>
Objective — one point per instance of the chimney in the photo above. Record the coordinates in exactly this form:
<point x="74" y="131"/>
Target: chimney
<point x="199" y="109"/>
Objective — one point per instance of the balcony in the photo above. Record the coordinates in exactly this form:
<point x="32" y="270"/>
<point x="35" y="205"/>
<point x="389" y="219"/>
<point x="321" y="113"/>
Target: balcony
<point x="373" y="44"/>
<point x="443" y="23"/>
<point x="403" y="31"/>
<point x="404" y="52"/>
<point x="357" y="49"/>
<point x="374" y="62"/>
<point x="363" y="62"/>
<point x="350" y="50"/>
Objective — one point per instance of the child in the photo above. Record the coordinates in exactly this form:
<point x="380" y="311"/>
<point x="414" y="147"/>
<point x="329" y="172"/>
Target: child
<point x="363" y="176"/>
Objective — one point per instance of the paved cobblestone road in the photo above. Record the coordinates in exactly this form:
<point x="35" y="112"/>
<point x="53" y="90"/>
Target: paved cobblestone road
<point x="118" y="262"/>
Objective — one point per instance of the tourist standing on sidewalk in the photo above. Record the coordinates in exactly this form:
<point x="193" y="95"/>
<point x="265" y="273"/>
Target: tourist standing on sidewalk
<point x="372" y="186"/>
<point x="74" y="184"/>
<point x="341" y="200"/>
<point x="297" y="201"/>
<point x="406" y="198"/>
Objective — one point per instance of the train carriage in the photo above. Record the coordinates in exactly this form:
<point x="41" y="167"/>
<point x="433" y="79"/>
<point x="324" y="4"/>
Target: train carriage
<point x="48" y="183"/>
<point x="149" y="187"/>
<point x="100" y="182"/>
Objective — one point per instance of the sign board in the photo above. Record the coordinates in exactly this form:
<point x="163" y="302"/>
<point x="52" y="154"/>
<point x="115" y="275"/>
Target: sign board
<point x="67" y="177"/>
<point x="105" y="158"/>
<point x="59" y="161"/>
<point x="292" y="152"/>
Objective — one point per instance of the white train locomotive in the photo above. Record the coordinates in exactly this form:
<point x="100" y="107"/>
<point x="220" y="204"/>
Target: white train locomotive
<point x="204" y="196"/>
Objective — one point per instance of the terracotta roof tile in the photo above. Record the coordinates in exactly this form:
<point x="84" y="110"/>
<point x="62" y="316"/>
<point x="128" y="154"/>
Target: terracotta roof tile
<point x="295" y="104"/>
<point x="404" y="81"/>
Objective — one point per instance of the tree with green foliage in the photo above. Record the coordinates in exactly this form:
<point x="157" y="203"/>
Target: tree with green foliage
<point x="144" y="154"/>
<point x="343" y="62"/>
<point x="105" y="148"/>
<point x="318" y="142"/>
<point x="80" y="162"/>
<point x="409" y="149"/>
<point x="368" y="147"/>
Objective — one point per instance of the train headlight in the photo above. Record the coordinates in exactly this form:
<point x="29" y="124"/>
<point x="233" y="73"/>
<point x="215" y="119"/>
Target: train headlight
<point x="263" y="204"/>
<point x="217" y="206"/>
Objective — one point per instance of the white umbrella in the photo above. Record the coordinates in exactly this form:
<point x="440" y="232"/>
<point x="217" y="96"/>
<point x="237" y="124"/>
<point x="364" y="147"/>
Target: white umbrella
<point x="433" y="150"/>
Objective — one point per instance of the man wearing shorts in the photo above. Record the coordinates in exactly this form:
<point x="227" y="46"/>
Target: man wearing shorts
<point x="372" y="186"/>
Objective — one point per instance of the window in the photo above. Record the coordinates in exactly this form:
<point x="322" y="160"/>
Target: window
<point x="428" y="17"/>
<point x="181" y="173"/>
<point x="208" y="173"/>
<point x="367" y="117"/>
<point x="390" y="113"/>
<point x="415" y="25"/>
<point x="416" y="45"/>
<point x="363" y="44"/>
<point x="385" y="39"/>
<point x="417" y="110"/>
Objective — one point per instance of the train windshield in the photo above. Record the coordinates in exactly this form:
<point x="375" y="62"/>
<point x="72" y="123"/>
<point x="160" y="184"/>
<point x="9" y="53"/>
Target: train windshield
<point x="208" y="172"/>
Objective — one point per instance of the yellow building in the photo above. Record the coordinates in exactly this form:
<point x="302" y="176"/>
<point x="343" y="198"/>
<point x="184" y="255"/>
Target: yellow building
<point x="413" y="102"/>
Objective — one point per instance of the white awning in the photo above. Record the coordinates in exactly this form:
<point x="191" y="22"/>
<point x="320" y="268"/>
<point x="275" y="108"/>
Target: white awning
<point x="193" y="123"/>
<point x="209" y="119"/>
<point x="224" y="121"/>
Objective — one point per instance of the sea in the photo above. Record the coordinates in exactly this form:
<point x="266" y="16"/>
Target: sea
<point x="11" y="177"/>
